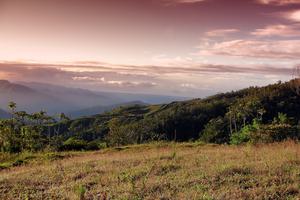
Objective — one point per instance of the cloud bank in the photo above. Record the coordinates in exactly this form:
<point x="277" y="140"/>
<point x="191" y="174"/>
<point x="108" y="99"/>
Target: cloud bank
<point x="221" y="32"/>
<point x="272" y="49"/>
<point x="278" y="2"/>
<point x="124" y="74"/>
<point x="279" y="30"/>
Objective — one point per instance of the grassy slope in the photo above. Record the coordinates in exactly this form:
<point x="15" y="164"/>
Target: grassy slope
<point x="161" y="171"/>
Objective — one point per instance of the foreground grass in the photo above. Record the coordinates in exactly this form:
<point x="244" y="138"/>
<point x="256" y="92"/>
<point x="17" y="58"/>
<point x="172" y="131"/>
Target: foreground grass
<point x="161" y="171"/>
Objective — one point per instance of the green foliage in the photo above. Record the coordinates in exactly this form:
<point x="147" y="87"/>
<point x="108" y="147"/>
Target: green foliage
<point x="9" y="137"/>
<point x="215" y="131"/>
<point x="118" y="135"/>
<point x="274" y="133"/>
<point x="95" y="145"/>
<point x="74" y="144"/>
<point x="32" y="140"/>
<point x="281" y="119"/>
<point x="277" y="131"/>
<point x="244" y="135"/>
<point x="25" y="132"/>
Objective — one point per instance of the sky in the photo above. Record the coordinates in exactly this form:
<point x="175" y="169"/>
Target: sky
<point x="191" y="48"/>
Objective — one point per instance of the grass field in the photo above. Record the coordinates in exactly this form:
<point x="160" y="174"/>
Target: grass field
<point x="159" y="171"/>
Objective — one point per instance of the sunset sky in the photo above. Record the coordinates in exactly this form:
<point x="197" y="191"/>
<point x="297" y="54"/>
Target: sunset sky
<point x="189" y="48"/>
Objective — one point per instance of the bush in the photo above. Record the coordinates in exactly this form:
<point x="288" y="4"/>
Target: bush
<point x="274" y="133"/>
<point x="74" y="144"/>
<point x="215" y="131"/>
<point x="244" y="135"/>
<point x="95" y="145"/>
<point x="32" y="139"/>
<point x="240" y="137"/>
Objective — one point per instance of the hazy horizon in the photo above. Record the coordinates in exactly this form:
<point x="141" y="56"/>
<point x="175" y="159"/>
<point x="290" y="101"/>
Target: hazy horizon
<point x="188" y="48"/>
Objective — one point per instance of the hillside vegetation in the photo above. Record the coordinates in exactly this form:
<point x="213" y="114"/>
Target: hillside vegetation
<point x="253" y="115"/>
<point x="160" y="171"/>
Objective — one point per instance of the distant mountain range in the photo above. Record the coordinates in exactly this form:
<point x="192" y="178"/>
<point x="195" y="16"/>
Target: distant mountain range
<point x="33" y="97"/>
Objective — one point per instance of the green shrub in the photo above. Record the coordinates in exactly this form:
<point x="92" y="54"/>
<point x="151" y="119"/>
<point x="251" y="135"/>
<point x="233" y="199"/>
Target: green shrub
<point x="102" y="145"/>
<point x="244" y="135"/>
<point x="240" y="137"/>
<point x="274" y="133"/>
<point x="214" y="131"/>
<point x="95" y="145"/>
<point x="74" y="144"/>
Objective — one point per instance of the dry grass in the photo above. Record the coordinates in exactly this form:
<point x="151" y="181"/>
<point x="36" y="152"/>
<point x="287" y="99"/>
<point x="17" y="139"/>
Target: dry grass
<point x="162" y="171"/>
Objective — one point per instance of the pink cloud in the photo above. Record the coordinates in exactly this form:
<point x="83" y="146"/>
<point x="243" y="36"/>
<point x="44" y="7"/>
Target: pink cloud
<point x="287" y="49"/>
<point x="132" y="84"/>
<point x="172" y="2"/>
<point x="118" y="83"/>
<point x="188" y="85"/>
<point x="49" y="73"/>
<point x="292" y="15"/>
<point x="278" y="2"/>
<point x="88" y="78"/>
<point x="220" y="32"/>
<point x="278" y="30"/>
<point x="189" y="1"/>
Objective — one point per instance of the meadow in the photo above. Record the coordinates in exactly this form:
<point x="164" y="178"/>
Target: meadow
<point x="156" y="171"/>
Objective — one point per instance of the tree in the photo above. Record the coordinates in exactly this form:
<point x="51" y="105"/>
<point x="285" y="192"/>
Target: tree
<point x="295" y="83"/>
<point x="63" y="117"/>
<point x="12" y="106"/>
<point x="215" y="131"/>
<point x="9" y="140"/>
<point x="118" y="134"/>
<point x="32" y="139"/>
<point x="21" y="117"/>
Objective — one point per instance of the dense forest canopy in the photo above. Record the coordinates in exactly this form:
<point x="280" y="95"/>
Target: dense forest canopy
<point x="255" y="114"/>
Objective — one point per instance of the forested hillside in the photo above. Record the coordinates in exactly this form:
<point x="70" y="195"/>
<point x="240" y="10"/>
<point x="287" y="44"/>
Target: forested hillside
<point x="255" y="114"/>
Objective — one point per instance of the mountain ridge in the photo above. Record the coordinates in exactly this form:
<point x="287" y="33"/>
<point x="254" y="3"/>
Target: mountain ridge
<point x="34" y="96"/>
<point x="4" y="114"/>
